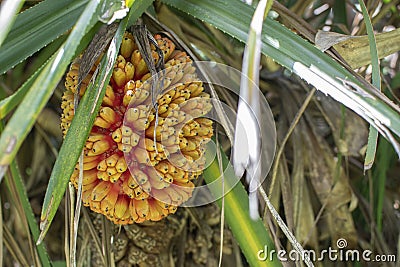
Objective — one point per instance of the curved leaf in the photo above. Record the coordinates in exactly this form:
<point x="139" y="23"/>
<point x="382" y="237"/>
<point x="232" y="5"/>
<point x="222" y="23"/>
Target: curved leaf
<point x="9" y="103"/>
<point x="8" y="10"/>
<point x="81" y="125"/>
<point x="250" y="234"/>
<point x="36" y="28"/>
<point x="22" y="121"/>
<point x="376" y="81"/>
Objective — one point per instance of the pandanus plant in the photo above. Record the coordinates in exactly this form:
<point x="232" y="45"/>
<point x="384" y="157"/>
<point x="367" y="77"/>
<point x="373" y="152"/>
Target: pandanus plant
<point x="138" y="137"/>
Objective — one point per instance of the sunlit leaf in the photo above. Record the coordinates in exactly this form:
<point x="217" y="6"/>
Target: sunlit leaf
<point x="81" y="125"/>
<point x="250" y="234"/>
<point x="37" y="27"/>
<point x="24" y="117"/>
<point x="9" y="8"/>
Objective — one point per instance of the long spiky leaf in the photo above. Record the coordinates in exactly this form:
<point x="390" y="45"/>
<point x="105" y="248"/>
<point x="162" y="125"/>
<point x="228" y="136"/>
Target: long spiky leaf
<point x="251" y="235"/>
<point x="376" y="81"/>
<point x="8" y="10"/>
<point x="23" y="119"/>
<point x="81" y="126"/>
<point x="28" y="213"/>
<point x="36" y="28"/>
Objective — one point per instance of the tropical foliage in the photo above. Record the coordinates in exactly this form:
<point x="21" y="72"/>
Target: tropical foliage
<point x="329" y="71"/>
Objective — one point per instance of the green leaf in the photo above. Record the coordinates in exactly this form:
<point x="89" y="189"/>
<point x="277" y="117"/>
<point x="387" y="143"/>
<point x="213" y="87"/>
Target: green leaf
<point x="250" y="234"/>
<point x="9" y="8"/>
<point x="36" y="28"/>
<point x="317" y="68"/>
<point x="376" y="81"/>
<point x="30" y="217"/>
<point x="386" y="159"/>
<point x="373" y="133"/>
<point x="340" y="15"/>
<point x="10" y="102"/>
<point x="24" y="117"/>
<point x="81" y="126"/>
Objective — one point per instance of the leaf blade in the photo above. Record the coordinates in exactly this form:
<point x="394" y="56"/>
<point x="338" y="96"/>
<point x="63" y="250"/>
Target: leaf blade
<point x="37" y="27"/>
<point x="376" y="81"/>
<point x="80" y="128"/>
<point x="8" y="10"/>
<point x="23" y="119"/>
<point x="250" y="234"/>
